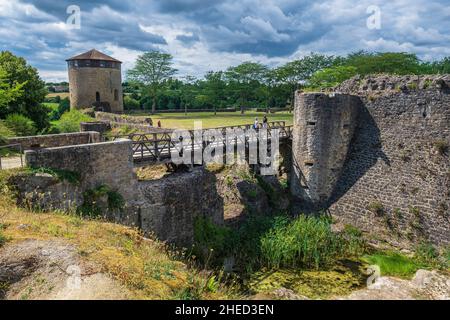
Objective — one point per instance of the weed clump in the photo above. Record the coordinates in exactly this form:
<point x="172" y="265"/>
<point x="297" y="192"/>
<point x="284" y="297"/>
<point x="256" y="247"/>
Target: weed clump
<point x="376" y="207"/>
<point x="92" y="207"/>
<point x="442" y="147"/>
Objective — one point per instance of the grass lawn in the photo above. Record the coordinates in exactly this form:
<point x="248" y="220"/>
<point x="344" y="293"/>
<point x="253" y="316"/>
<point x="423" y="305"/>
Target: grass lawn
<point x="209" y="120"/>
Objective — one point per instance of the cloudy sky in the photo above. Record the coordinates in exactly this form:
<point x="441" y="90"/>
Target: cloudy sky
<point x="207" y="35"/>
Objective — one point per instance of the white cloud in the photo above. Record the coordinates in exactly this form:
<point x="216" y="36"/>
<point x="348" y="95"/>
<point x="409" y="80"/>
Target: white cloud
<point x="216" y="35"/>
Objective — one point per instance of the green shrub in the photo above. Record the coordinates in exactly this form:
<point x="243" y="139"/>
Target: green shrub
<point x="330" y="77"/>
<point x="212" y="241"/>
<point x="427" y="255"/>
<point x="70" y="121"/>
<point x="5" y="132"/>
<point x="20" y="125"/>
<point x="91" y="207"/>
<point x="305" y="242"/>
<point x="130" y="103"/>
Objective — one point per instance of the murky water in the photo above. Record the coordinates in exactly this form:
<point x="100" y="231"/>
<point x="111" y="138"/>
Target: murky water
<point x="344" y="278"/>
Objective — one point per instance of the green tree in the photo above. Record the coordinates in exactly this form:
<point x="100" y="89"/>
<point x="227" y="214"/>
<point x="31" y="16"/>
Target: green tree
<point x="295" y="73"/>
<point x="215" y="88"/>
<point x="29" y="103"/>
<point x="245" y="78"/>
<point x="331" y="77"/>
<point x="151" y="70"/>
<point x="70" y="121"/>
<point x="130" y="103"/>
<point x="383" y="62"/>
<point x="8" y="92"/>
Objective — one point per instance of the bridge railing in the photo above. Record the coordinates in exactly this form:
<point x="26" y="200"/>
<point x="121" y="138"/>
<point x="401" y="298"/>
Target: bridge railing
<point x="156" y="147"/>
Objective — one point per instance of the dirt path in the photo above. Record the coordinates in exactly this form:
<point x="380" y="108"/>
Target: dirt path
<point x="48" y="270"/>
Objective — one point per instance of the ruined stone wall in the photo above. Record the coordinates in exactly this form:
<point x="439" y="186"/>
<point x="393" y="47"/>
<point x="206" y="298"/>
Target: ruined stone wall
<point x="124" y="119"/>
<point x="107" y="163"/>
<point x="173" y="202"/>
<point x="56" y="140"/>
<point x="396" y="179"/>
<point x="323" y="129"/>
<point x="85" y="82"/>
<point x="166" y="207"/>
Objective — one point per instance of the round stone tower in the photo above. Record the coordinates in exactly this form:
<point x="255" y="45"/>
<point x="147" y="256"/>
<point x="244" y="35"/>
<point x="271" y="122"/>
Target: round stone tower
<point x="95" y="79"/>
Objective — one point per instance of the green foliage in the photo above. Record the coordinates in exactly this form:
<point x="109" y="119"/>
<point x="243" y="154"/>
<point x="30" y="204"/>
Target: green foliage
<point x="254" y="85"/>
<point x="63" y="106"/>
<point x="211" y="240"/>
<point x="20" y="125"/>
<point x="70" y="121"/>
<point x="5" y="132"/>
<point x="269" y="190"/>
<point x="130" y="103"/>
<point x="393" y="264"/>
<point x="305" y="242"/>
<point x="151" y="70"/>
<point x="383" y="62"/>
<point x="9" y="91"/>
<point x="294" y="72"/>
<point x="276" y="241"/>
<point x="33" y="90"/>
<point x="331" y="77"/>
<point x="66" y="175"/>
<point x="91" y="206"/>
<point x="427" y="255"/>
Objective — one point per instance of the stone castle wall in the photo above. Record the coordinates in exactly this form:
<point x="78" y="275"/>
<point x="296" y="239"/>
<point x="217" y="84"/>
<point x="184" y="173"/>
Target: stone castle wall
<point x="395" y="183"/>
<point x="85" y="82"/>
<point x="55" y="140"/>
<point x="323" y="128"/>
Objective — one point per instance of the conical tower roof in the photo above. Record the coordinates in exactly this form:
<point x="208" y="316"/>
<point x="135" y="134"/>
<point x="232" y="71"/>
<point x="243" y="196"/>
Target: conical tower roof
<point x="93" y="55"/>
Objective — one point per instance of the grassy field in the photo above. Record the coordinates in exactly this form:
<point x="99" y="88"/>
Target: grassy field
<point x="209" y="120"/>
<point x="61" y="94"/>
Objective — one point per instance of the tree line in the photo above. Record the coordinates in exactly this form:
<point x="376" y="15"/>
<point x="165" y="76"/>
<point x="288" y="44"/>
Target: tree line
<point x="152" y="83"/>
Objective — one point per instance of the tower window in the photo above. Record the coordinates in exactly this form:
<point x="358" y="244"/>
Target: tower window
<point x="97" y="96"/>
<point x="116" y="95"/>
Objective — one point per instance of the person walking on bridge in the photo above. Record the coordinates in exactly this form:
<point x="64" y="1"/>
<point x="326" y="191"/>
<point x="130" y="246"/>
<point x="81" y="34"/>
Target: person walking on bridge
<point x="265" y="122"/>
<point x="255" y="125"/>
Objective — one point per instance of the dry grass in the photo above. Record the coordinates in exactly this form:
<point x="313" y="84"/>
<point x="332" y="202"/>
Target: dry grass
<point x="146" y="267"/>
<point x="55" y="94"/>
